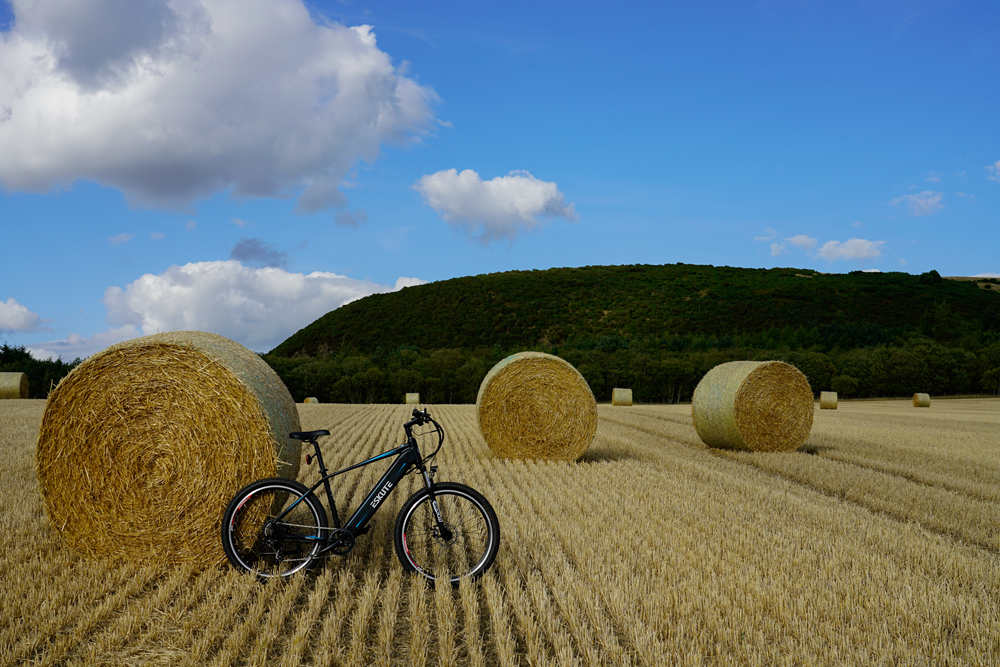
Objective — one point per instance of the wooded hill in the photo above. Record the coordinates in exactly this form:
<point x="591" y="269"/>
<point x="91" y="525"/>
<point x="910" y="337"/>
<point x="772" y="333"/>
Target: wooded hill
<point x="656" y="329"/>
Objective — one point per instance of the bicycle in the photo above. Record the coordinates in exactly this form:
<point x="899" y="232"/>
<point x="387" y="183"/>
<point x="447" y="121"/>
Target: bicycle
<point x="445" y="531"/>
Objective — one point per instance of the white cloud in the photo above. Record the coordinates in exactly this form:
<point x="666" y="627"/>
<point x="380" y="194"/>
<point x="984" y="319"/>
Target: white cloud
<point x="239" y="222"/>
<point x="770" y="233"/>
<point x="871" y="270"/>
<point x="777" y="249"/>
<point x="933" y="178"/>
<point x="119" y="239"/>
<point x="922" y="203"/>
<point x="494" y="209"/>
<point x="802" y="241"/>
<point x="851" y="249"/>
<point x="258" y="307"/>
<point x="987" y="275"/>
<point x="157" y="236"/>
<point x="965" y="195"/>
<point x="172" y="101"/>
<point x="993" y="171"/>
<point x="857" y="224"/>
<point x="76" y="346"/>
<point x="16" y="317"/>
<point x="191" y="225"/>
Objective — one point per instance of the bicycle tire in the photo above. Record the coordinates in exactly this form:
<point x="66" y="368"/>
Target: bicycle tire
<point x="420" y="547"/>
<point x="254" y="545"/>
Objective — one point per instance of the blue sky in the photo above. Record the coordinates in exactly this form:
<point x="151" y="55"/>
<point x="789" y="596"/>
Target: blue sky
<point x="246" y="166"/>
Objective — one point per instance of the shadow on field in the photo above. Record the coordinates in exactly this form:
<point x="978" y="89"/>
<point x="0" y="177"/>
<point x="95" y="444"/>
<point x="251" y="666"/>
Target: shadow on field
<point x="814" y="449"/>
<point x="602" y="455"/>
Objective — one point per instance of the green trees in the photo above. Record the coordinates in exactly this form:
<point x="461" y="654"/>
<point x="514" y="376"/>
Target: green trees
<point x="42" y="373"/>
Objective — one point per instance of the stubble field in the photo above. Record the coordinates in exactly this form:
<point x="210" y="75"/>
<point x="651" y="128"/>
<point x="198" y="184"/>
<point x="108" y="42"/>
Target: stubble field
<point x="877" y="542"/>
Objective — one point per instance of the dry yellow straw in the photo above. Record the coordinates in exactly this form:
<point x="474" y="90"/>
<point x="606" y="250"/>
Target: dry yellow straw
<point x="921" y="400"/>
<point x="142" y="445"/>
<point x="621" y="396"/>
<point x="536" y="405"/>
<point x="828" y="400"/>
<point x="13" y="385"/>
<point x="412" y="399"/>
<point x="762" y="406"/>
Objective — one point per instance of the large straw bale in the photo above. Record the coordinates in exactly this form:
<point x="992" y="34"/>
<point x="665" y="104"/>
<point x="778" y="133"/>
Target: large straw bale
<point x="827" y="400"/>
<point x="142" y="445"/>
<point x="311" y="399"/>
<point x="762" y="406"/>
<point x="921" y="400"/>
<point x="13" y="385"/>
<point x="412" y="399"/>
<point x="620" y="396"/>
<point x="536" y="405"/>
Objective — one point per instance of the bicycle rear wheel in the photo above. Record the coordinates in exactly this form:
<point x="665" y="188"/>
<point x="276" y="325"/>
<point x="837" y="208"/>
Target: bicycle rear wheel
<point x="464" y="545"/>
<point x="256" y="540"/>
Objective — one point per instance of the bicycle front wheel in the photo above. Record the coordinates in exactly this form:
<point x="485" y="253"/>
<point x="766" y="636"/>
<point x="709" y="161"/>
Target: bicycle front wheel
<point x="463" y="543"/>
<point x="273" y="528"/>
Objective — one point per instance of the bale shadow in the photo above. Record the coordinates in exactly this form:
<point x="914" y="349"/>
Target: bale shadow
<point x="607" y="456"/>
<point x="814" y="449"/>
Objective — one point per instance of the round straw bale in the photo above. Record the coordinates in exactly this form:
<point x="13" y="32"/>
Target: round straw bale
<point x="762" y="406"/>
<point x="143" y="445"/>
<point x="827" y="400"/>
<point x="536" y="405"/>
<point x="921" y="400"/>
<point x="311" y="399"/>
<point x="13" y="385"/>
<point x="412" y="399"/>
<point x="621" y="396"/>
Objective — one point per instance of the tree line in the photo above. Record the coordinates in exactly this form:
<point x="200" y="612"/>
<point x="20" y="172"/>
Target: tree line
<point x="655" y="375"/>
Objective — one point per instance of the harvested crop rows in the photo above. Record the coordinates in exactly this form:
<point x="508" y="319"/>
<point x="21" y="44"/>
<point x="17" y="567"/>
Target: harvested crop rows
<point x="877" y="541"/>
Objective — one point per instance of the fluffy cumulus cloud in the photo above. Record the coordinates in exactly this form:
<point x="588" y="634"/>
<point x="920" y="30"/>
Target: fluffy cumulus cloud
<point x="851" y="249"/>
<point x="921" y="203"/>
<point x="259" y="307"/>
<point x="173" y="100"/>
<point x="16" y="317"/>
<point x="494" y="209"/>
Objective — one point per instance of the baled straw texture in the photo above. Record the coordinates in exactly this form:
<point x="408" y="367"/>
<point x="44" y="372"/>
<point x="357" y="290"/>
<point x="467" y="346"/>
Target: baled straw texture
<point x="412" y="399"/>
<point x="536" y="405"/>
<point x="827" y="400"/>
<point x="921" y="400"/>
<point x="761" y="406"/>
<point x="143" y="445"/>
<point x="13" y="385"/>
<point x="621" y="396"/>
<point x="311" y="399"/>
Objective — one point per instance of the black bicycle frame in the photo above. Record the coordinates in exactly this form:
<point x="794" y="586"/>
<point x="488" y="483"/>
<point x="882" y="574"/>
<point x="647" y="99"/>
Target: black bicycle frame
<point x="408" y="456"/>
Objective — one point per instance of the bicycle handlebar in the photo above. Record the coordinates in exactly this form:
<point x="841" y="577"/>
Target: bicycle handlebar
<point x="421" y="417"/>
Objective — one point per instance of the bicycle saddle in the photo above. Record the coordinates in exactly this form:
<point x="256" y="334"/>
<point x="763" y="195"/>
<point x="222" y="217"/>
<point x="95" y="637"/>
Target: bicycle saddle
<point x="308" y="435"/>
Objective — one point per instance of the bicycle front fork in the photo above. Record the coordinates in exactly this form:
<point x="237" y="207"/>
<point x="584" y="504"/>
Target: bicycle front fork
<point x="438" y="517"/>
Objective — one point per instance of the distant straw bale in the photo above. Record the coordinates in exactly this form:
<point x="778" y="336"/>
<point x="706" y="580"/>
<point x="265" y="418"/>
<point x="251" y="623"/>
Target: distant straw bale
<point x="536" y="405"/>
<point x="620" y="396"/>
<point x="311" y="399"/>
<point x="412" y="399"/>
<point x="921" y="400"/>
<point x="762" y="406"/>
<point x="13" y="385"/>
<point x="827" y="400"/>
<point x="142" y="445"/>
